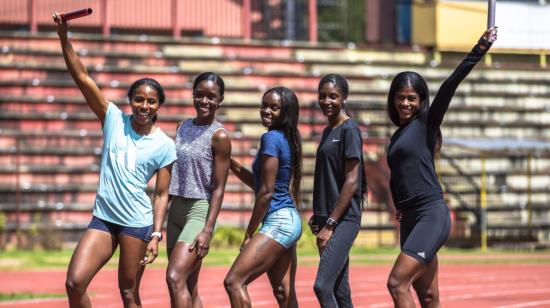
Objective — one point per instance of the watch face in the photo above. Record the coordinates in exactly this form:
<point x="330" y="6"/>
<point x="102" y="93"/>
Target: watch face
<point x="157" y="234"/>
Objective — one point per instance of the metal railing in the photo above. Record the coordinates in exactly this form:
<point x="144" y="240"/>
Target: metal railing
<point x="502" y="193"/>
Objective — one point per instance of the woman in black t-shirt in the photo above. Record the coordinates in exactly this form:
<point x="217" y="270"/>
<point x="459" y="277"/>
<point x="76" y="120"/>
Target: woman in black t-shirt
<point x="338" y="193"/>
<point x="417" y="195"/>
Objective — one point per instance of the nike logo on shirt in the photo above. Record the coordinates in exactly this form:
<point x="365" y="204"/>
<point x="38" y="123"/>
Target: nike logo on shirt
<point x="335" y="140"/>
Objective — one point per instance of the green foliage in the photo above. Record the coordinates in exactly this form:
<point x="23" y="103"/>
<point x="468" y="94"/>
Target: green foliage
<point x="40" y="234"/>
<point x="341" y="21"/>
<point x="227" y="237"/>
<point x="3" y="221"/>
<point x="307" y="242"/>
<point x="232" y="237"/>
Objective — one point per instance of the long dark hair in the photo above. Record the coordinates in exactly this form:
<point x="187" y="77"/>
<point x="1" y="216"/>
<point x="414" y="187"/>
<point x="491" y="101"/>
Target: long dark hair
<point x="209" y="76"/>
<point x="150" y="82"/>
<point x="290" y="112"/>
<point x="415" y="81"/>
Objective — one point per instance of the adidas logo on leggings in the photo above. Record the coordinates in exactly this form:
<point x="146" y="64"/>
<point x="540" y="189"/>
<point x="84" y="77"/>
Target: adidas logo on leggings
<point x="422" y="254"/>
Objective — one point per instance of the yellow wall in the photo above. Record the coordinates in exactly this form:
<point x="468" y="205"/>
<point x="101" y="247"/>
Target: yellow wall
<point x="448" y="25"/>
<point x="423" y="24"/>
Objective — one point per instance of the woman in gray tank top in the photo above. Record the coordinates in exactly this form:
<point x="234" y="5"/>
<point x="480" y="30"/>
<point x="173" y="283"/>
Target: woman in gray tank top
<point x="196" y="188"/>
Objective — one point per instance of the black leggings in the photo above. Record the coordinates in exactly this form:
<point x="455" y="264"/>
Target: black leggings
<point x="332" y="283"/>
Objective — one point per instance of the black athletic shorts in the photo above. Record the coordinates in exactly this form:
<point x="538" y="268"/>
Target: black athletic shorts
<point x="424" y="229"/>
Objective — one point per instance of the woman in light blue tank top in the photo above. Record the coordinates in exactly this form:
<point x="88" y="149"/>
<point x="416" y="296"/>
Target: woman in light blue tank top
<point x="275" y="178"/>
<point x="196" y="189"/>
<point x="134" y="150"/>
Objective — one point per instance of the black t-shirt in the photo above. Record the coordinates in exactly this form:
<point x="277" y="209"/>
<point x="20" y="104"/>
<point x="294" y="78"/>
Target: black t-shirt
<point x="411" y="151"/>
<point x="337" y="145"/>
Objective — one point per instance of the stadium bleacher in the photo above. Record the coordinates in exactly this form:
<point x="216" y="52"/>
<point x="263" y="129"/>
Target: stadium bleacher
<point x="50" y="142"/>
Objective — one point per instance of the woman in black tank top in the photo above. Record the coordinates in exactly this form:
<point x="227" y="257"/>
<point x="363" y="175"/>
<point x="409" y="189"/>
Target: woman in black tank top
<point x="417" y="195"/>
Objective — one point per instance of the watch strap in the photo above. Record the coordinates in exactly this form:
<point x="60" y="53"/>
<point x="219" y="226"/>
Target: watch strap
<point x="157" y="234"/>
<point x="331" y="222"/>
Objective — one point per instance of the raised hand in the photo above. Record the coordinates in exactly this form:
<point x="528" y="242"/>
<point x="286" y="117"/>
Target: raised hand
<point x="490" y="35"/>
<point x="62" y="26"/>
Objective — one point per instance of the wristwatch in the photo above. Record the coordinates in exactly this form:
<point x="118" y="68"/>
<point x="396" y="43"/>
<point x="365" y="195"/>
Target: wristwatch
<point x="157" y="234"/>
<point x="331" y="222"/>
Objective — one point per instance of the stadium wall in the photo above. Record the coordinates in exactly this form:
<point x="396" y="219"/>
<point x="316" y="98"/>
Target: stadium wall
<point x="453" y="25"/>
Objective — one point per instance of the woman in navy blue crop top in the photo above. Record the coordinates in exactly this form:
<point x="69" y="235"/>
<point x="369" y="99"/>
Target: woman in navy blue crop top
<point x="418" y="197"/>
<point x="275" y="178"/>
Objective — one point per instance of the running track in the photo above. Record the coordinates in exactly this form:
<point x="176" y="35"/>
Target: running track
<point x="471" y="286"/>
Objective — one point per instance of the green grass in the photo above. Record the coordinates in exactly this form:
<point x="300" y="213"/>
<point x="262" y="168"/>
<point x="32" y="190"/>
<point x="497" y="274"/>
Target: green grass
<point x="26" y="295"/>
<point x="226" y="242"/>
<point x="23" y="259"/>
<point x="42" y="260"/>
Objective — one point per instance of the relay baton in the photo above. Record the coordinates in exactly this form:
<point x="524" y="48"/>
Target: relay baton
<point x="75" y="14"/>
<point x="491" y="13"/>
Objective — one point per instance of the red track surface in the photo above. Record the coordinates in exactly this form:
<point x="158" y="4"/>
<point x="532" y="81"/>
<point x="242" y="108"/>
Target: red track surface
<point x="472" y="286"/>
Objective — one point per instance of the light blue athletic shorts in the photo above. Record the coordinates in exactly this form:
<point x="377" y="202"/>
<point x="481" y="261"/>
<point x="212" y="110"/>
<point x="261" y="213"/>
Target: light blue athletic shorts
<point x="283" y="225"/>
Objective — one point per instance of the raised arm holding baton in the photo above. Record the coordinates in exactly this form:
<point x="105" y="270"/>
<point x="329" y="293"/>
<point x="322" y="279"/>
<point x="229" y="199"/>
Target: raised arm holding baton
<point x="72" y="15"/>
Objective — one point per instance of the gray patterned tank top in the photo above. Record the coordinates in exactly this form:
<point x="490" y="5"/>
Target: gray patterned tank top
<point x="192" y="171"/>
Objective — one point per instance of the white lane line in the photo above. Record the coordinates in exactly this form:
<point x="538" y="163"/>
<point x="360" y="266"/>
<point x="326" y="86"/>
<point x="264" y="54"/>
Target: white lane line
<point x="494" y="294"/>
<point x="461" y="287"/>
<point x="526" y="304"/>
<point x="447" y="289"/>
<point x="474" y="296"/>
<point x="381" y="305"/>
<point x="301" y="300"/>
